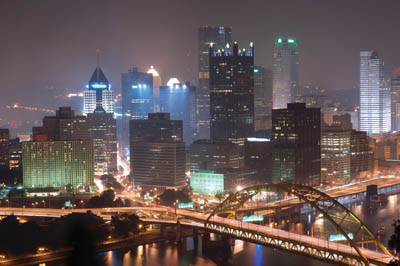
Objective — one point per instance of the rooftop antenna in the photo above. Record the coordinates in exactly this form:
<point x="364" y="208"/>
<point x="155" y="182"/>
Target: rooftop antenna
<point x="98" y="63"/>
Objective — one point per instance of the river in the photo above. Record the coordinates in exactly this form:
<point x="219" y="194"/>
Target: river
<point x="190" y="252"/>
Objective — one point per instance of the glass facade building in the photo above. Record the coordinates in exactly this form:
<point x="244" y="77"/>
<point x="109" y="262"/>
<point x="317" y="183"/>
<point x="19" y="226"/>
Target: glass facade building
<point x="218" y="37"/>
<point x="180" y="101"/>
<point x="137" y="93"/>
<point x="375" y="98"/>
<point x="232" y="93"/>
<point x="262" y="98"/>
<point x="395" y="103"/>
<point x="285" y="72"/>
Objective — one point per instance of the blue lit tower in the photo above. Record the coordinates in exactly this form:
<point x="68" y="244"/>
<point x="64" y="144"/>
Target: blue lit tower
<point x="285" y="72"/>
<point x="180" y="101"/>
<point x="137" y="92"/>
<point x="375" y="84"/>
<point x="98" y="94"/>
<point x="232" y="93"/>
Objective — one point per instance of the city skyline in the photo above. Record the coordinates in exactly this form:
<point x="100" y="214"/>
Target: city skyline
<point x="66" y="44"/>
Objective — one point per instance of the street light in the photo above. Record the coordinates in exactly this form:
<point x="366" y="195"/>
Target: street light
<point x="176" y="205"/>
<point x="8" y="203"/>
<point x="44" y="204"/>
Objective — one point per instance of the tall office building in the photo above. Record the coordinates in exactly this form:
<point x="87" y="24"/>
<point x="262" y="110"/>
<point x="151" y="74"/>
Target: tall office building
<point x="262" y="98"/>
<point x="211" y="155"/>
<point x="4" y="148"/>
<point x="180" y="101"/>
<point x="156" y="81"/>
<point x="98" y="93"/>
<point x="375" y="82"/>
<point x="232" y="93"/>
<point x="102" y="129"/>
<point x="58" y="164"/>
<point x="335" y="155"/>
<point x="362" y="155"/>
<point x="296" y="151"/>
<point x="218" y="37"/>
<point x="285" y="72"/>
<point x="395" y="103"/>
<point x="137" y="93"/>
<point x="65" y="125"/>
<point x="157" y="152"/>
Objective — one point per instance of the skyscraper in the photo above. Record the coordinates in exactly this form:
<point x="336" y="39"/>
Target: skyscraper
<point x="137" y="93"/>
<point x="103" y="131"/>
<point x="156" y="81"/>
<point x="335" y="155"/>
<point x="219" y="37"/>
<point x="375" y="82"/>
<point x="4" y="149"/>
<point x="180" y="101"/>
<point x="98" y="93"/>
<point x="296" y="150"/>
<point x="395" y="103"/>
<point x="157" y="153"/>
<point x="65" y="125"/>
<point x="285" y="72"/>
<point x="262" y="98"/>
<point x="232" y="93"/>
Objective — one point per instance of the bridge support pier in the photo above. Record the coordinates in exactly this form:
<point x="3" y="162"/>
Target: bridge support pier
<point x="178" y="232"/>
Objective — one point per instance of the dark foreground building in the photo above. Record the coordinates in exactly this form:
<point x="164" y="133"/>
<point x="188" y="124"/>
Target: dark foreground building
<point x="296" y="152"/>
<point x="232" y="93"/>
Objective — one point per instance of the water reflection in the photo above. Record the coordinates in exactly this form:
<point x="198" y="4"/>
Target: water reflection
<point x="190" y="251"/>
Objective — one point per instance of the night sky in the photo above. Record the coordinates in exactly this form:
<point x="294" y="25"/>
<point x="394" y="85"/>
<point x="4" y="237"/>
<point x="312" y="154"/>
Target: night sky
<point x="53" y="42"/>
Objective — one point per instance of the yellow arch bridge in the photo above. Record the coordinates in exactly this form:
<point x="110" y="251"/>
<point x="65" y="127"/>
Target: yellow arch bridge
<point x="350" y="250"/>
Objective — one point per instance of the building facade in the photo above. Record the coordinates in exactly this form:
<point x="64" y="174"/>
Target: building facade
<point x="285" y="72"/>
<point x="262" y="98"/>
<point x="4" y="149"/>
<point x="98" y="93"/>
<point x="232" y="93"/>
<point x="335" y="156"/>
<point x="207" y="36"/>
<point x="58" y="164"/>
<point x="362" y="155"/>
<point x="212" y="155"/>
<point x="157" y="152"/>
<point x="375" y="98"/>
<point x="296" y="150"/>
<point x="395" y="103"/>
<point x="102" y="129"/>
<point x="137" y="93"/>
<point x="180" y="101"/>
<point x="207" y="182"/>
<point x="65" y="125"/>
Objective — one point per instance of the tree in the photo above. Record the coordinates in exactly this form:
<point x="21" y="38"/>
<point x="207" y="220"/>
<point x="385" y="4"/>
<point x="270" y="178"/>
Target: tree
<point x="125" y="224"/>
<point x="170" y="196"/>
<point x="394" y="242"/>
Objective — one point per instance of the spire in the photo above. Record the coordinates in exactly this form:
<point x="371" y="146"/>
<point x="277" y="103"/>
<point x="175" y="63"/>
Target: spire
<point x="98" y="77"/>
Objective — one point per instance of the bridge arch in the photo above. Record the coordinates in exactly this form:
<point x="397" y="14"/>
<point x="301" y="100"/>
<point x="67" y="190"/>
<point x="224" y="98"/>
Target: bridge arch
<point x="332" y="210"/>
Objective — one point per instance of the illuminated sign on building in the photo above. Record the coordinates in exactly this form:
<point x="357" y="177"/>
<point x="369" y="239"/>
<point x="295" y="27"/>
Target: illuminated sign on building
<point x="253" y="218"/>
<point x="340" y="237"/>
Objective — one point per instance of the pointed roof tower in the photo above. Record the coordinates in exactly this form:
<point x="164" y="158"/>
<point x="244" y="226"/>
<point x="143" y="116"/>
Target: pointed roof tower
<point x="98" y="80"/>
